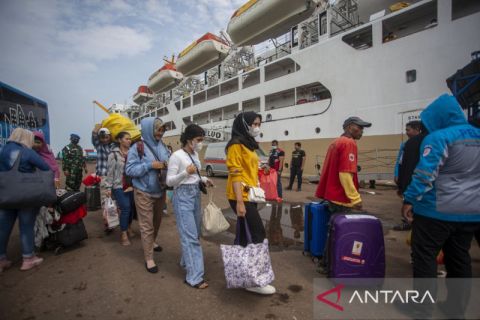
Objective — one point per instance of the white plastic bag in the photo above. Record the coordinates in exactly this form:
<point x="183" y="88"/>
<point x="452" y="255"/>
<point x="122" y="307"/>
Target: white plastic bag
<point x="213" y="221"/>
<point x="110" y="213"/>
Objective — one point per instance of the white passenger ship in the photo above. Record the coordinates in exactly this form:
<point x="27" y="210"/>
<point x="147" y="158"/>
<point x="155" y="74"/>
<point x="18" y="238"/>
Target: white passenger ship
<point x="332" y="60"/>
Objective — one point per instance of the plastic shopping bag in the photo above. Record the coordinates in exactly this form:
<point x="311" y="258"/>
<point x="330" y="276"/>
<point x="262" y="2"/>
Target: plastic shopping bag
<point x="268" y="182"/>
<point x="110" y="213"/>
<point x="213" y="221"/>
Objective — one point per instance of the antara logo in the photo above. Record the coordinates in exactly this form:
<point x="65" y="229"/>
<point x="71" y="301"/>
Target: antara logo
<point x="376" y="297"/>
<point x="338" y="291"/>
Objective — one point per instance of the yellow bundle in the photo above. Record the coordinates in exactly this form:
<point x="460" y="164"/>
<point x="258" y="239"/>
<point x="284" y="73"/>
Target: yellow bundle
<point x="117" y="123"/>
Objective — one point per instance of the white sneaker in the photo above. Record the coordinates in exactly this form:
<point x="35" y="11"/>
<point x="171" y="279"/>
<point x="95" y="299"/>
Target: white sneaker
<point x="267" y="290"/>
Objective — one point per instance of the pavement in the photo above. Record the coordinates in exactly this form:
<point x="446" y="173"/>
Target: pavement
<point x="100" y="279"/>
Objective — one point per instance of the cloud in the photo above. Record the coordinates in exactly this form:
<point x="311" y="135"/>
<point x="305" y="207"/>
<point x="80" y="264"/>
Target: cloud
<point x="106" y="42"/>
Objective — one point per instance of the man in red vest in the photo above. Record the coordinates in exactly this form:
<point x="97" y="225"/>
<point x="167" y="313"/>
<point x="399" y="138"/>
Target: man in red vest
<point x="339" y="181"/>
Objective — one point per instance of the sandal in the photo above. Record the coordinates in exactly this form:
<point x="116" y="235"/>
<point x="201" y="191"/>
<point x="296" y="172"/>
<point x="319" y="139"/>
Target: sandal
<point x="201" y="285"/>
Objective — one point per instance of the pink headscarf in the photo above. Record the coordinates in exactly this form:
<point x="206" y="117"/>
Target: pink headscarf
<point x="47" y="155"/>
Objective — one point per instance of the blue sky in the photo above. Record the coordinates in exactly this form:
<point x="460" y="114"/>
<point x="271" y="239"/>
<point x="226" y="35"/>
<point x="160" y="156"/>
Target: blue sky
<point x="69" y="53"/>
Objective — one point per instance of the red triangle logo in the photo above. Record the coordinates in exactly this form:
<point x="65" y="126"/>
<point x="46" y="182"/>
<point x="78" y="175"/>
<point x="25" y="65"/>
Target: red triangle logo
<point x="338" y="290"/>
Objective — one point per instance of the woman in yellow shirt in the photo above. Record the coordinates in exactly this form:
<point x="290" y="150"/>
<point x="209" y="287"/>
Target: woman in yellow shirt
<point x="242" y="164"/>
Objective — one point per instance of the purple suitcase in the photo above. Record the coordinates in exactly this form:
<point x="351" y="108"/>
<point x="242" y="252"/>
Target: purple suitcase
<point x="357" y="247"/>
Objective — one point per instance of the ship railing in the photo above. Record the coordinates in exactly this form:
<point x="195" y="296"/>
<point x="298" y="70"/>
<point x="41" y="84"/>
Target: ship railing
<point x="375" y="164"/>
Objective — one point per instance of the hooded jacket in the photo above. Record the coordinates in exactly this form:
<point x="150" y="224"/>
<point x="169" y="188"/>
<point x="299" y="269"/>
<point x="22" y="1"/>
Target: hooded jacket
<point x="446" y="181"/>
<point x="144" y="177"/>
<point x="115" y="171"/>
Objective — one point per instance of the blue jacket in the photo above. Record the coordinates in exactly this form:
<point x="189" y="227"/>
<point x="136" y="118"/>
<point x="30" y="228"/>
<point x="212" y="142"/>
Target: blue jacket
<point x="29" y="161"/>
<point x="144" y="177"/>
<point x="446" y="181"/>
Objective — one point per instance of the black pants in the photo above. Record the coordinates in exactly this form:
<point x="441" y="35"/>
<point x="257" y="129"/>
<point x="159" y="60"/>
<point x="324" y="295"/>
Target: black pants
<point x="429" y="236"/>
<point x="255" y="223"/>
<point x="295" y="172"/>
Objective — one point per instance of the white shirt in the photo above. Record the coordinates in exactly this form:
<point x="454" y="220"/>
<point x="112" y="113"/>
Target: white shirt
<point x="177" y="169"/>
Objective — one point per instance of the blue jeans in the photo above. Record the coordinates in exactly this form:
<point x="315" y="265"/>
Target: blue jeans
<point x="187" y="207"/>
<point x="279" y="185"/>
<point x="124" y="202"/>
<point x="26" y="217"/>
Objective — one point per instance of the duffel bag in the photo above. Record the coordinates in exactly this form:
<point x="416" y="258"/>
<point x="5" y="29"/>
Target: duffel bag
<point x="72" y="234"/>
<point x="70" y="201"/>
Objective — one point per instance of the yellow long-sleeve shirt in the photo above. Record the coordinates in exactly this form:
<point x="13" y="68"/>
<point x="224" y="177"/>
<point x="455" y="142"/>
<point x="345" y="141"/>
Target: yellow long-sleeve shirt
<point x="242" y="165"/>
<point x="346" y="179"/>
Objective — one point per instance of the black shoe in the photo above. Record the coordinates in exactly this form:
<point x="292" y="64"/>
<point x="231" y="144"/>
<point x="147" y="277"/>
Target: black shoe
<point x="288" y="188"/>
<point x="404" y="226"/>
<point x="152" y="269"/>
<point x="158" y="249"/>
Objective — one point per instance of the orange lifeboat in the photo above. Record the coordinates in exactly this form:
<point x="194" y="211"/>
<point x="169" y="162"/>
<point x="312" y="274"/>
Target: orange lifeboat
<point x="165" y="78"/>
<point x="259" y="20"/>
<point x="142" y="95"/>
<point x="203" y="54"/>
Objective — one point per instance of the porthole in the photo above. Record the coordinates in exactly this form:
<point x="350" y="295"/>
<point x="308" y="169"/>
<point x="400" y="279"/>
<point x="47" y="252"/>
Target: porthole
<point x="317" y="130"/>
<point x="261" y="135"/>
<point x="286" y="132"/>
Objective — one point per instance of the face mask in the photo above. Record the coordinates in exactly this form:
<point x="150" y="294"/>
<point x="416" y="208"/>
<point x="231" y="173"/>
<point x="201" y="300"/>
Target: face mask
<point x="197" y="146"/>
<point x="253" y="131"/>
<point x="274" y="147"/>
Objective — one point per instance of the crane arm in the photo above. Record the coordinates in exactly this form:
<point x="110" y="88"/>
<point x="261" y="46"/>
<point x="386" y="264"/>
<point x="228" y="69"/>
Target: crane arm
<point x="101" y="106"/>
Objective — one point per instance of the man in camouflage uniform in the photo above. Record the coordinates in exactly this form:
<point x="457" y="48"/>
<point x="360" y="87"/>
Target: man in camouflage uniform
<point x="73" y="163"/>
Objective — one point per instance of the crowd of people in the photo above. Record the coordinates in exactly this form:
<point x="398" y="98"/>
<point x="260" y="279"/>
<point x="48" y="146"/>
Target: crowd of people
<point x="436" y="177"/>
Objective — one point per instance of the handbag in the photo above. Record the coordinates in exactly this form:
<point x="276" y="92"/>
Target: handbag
<point x="71" y="234"/>
<point x="162" y="173"/>
<point x="247" y="267"/>
<point x="201" y="185"/>
<point x="255" y="194"/>
<point x="26" y="189"/>
<point x="213" y="221"/>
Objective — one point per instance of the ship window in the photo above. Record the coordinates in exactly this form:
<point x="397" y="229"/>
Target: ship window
<point x="230" y="111"/>
<point x="463" y="8"/>
<point x="251" y="105"/>
<point x="411" y="76"/>
<point x="286" y="132"/>
<point x="170" y="125"/>
<point x="216" y="115"/>
<point x="200" y="98"/>
<point x="294" y="36"/>
<point x="187" y="120"/>
<point x="360" y="39"/>
<point x="279" y="69"/>
<point x="229" y="86"/>
<point x="412" y="21"/>
<point x="322" y="17"/>
<point x="312" y="92"/>
<point x="261" y="135"/>
<point x="251" y="78"/>
<point x="162" y="112"/>
<point x="213" y="93"/>
<point x="317" y="130"/>
<point x="177" y="105"/>
<point x="186" y="103"/>
<point x="280" y="99"/>
<point x="201" y="118"/>
<point x="269" y="117"/>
